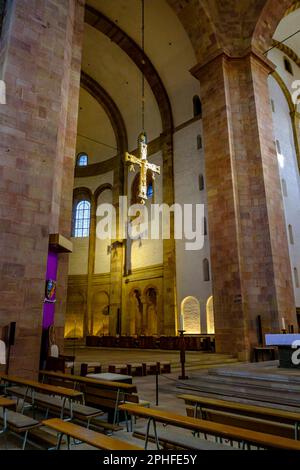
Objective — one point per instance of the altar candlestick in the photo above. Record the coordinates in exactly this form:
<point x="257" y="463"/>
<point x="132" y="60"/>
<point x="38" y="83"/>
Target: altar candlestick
<point x="283" y="323"/>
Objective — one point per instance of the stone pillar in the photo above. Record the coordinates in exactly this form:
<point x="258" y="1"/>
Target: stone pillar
<point x="117" y="255"/>
<point x="40" y="63"/>
<point x="89" y="320"/>
<point x="249" y="250"/>
<point x="169" y="261"/>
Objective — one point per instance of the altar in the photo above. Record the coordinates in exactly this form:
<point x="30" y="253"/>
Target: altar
<point x="288" y="346"/>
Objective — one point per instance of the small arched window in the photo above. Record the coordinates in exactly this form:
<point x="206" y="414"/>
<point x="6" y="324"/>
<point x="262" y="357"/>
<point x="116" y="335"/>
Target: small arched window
<point x="284" y="187"/>
<point x="201" y="182"/>
<point x="199" y="142"/>
<point x="197" y="106"/>
<point x="82" y="159"/>
<point x="278" y="146"/>
<point x="296" y="277"/>
<point x="82" y="219"/>
<point x="291" y="235"/>
<point x="135" y="188"/>
<point x="150" y="190"/>
<point x="205" y="226"/>
<point x="206" y="275"/>
<point x="288" y="66"/>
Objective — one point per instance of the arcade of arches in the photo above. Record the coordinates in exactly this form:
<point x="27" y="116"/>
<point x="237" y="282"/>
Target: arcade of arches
<point x="222" y="125"/>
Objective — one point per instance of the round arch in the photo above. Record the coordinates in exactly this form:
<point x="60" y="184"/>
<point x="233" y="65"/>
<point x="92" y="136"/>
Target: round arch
<point x="190" y="308"/>
<point x="97" y="20"/>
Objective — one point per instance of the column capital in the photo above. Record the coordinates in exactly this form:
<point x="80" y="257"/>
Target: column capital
<point x="251" y="53"/>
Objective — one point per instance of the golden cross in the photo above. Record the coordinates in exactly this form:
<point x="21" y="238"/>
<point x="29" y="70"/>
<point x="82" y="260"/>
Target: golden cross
<point x="144" y="165"/>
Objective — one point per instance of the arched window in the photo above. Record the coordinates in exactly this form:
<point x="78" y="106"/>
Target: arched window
<point x="278" y="146"/>
<point x="291" y="235"/>
<point x="199" y="142"/>
<point x="82" y="159"/>
<point x="288" y="66"/>
<point x="135" y="188"/>
<point x="197" y="106"/>
<point x="150" y="191"/>
<point x="296" y="277"/>
<point x="82" y="219"/>
<point x="206" y="276"/>
<point x="284" y="187"/>
<point x="201" y="182"/>
<point x="273" y="106"/>
<point x="205" y="226"/>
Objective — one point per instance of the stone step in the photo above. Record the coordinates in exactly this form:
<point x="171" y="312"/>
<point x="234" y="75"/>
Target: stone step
<point x="283" y="387"/>
<point x="263" y="375"/>
<point x="219" y="389"/>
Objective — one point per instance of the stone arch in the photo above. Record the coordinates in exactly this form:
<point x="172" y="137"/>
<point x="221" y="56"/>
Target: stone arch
<point x="97" y="20"/>
<point x="196" y="20"/>
<point x="135" y="312"/>
<point x="101" y="189"/>
<point x="271" y="15"/>
<point x="110" y="107"/>
<point x="151" y="313"/>
<point x="100" y="312"/>
<point x="74" y="323"/>
<point x="190" y="308"/>
<point x="293" y="112"/>
<point x="210" y="319"/>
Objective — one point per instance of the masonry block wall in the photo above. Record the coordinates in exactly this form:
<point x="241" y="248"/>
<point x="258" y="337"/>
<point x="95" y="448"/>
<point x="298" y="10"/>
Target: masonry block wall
<point x="37" y="136"/>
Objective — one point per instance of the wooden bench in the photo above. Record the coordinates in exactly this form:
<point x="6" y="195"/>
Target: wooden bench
<point x="177" y="439"/>
<point x="14" y="421"/>
<point x="222" y="431"/>
<point x="274" y="421"/>
<point x="102" y="394"/>
<point x="95" y="439"/>
<point x="31" y="387"/>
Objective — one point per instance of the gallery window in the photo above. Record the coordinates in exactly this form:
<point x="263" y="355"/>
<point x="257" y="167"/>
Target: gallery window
<point x="199" y="142"/>
<point x="206" y="276"/>
<point x="284" y="187"/>
<point x="82" y="159"/>
<point x="291" y="235"/>
<point x="82" y="219"/>
<point x="296" y="277"/>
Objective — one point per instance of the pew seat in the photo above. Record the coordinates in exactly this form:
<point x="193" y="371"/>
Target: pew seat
<point x="95" y="439"/>
<point x="20" y="424"/>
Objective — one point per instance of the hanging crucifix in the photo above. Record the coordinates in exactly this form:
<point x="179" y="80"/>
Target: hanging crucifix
<point x="144" y="164"/>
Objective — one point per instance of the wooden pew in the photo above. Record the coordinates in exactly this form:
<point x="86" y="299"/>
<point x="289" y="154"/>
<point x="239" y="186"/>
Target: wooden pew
<point x="15" y="421"/>
<point x="95" y="439"/>
<point x="271" y="420"/>
<point x="241" y="435"/>
<point x="102" y="394"/>
<point x="30" y="387"/>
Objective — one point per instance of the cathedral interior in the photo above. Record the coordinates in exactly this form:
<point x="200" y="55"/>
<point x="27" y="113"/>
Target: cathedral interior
<point x="174" y="104"/>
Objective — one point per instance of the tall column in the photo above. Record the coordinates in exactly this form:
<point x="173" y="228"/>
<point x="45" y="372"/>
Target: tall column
<point x="89" y="320"/>
<point x="39" y="52"/>
<point x="249" y="250"/>
<point x="169" y="260"/>
<point x="117" y="256"/>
